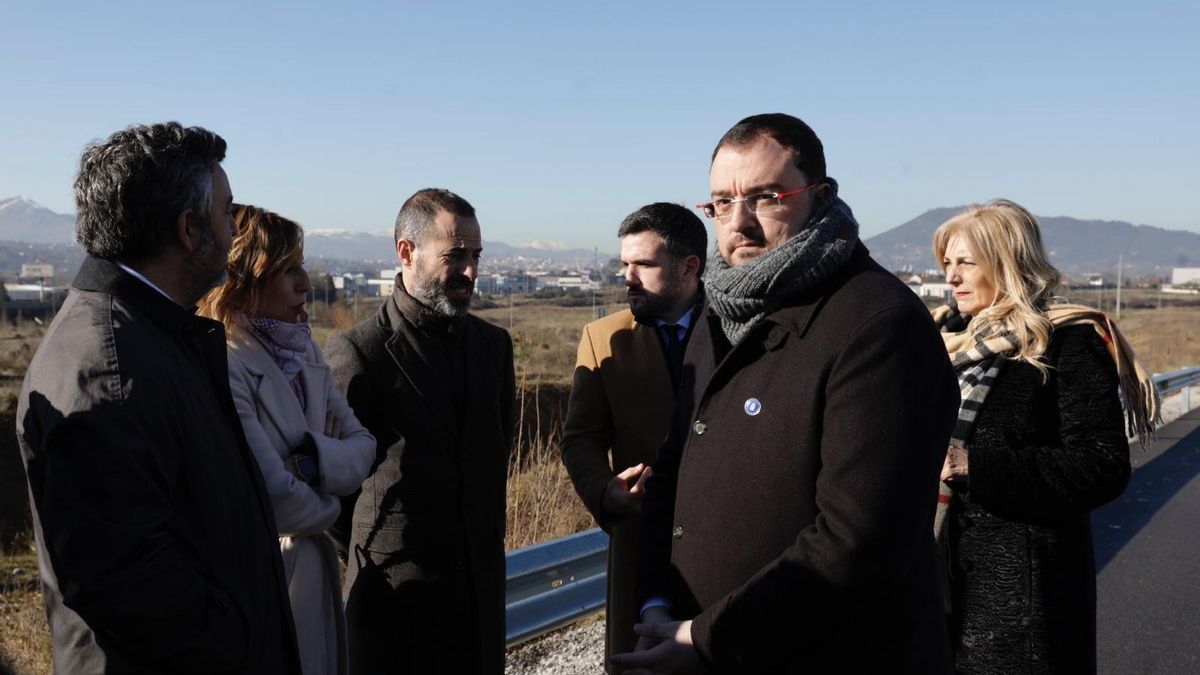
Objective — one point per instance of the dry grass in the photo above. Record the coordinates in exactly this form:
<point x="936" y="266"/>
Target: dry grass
<point x="18" y="342"/>
<point x="24" y="636"/>
<point x="545" y="336"/>
<point x="542" y="503"/>
<point x="541" y="500"/>
<point x="1165" y="339"/>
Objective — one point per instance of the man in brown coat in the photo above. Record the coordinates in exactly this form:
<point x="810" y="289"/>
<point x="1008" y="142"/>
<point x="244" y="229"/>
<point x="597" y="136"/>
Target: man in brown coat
<point x="623" y="390"/>
<point x="788" y="522"/>
<point x="434" y="385"/>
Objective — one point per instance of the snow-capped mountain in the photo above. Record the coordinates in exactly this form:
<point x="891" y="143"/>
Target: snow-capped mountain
<point x="22" y="219"/>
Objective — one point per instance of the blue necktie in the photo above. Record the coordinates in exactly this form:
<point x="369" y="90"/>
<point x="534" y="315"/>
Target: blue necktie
<point x="673" y="348"/>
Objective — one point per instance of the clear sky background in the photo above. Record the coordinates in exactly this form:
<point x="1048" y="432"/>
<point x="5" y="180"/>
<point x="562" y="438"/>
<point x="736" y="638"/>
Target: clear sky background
<point x="556" y="119"/>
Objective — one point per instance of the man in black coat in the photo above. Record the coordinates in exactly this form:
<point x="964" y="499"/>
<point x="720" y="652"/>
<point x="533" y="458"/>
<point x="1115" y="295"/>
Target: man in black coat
<point x="788" y="519"/>
<point x="156" y="541"/>
<point x="435" y="386"/>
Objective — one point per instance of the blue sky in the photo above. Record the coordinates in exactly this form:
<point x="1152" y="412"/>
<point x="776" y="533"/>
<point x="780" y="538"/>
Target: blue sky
<point x="556" y="119"/>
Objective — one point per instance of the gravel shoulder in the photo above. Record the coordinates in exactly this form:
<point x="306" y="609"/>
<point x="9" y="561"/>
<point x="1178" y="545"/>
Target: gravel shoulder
<point x="574" y="650"/>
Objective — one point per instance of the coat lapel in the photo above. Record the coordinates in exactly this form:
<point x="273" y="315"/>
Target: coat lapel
<point x="314" y="378"/>
<point x="429" y="386"/>
<point x="482" y="392"/>
<point x="274" y="391"/>
<point x="650" y="362"/>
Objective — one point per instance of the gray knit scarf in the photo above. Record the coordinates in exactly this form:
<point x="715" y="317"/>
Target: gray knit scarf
<point x="741" y="296"/>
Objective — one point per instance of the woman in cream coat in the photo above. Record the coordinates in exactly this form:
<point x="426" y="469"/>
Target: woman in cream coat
<point x="308" y="444"/>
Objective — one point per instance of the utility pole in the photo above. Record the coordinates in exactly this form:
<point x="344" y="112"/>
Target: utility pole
<point x="1119" y="265"/>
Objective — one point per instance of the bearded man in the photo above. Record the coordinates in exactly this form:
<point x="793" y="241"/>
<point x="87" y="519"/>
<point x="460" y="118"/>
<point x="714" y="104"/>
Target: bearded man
<point x="424" y="538"/>
<point x="157" y="546"/>
<point x="628" y="366"/>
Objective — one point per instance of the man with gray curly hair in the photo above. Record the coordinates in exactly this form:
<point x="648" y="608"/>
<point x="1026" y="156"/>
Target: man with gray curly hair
<point x="156" y="541"/>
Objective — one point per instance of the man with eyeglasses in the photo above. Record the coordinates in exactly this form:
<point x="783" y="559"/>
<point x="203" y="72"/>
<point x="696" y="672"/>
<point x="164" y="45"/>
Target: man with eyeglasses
<point x="624" y="386"/>
<point x="787" y="521"/>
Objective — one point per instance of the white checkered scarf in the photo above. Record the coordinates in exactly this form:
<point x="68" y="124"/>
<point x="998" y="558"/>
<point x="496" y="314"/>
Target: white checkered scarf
<point x="977" y="364"/>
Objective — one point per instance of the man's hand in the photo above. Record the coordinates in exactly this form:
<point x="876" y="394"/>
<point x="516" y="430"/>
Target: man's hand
<point x="623" y="495"/>
<point x="955" y="466"/>
<point x="652" y="615"/>
<point x="672" y="650"/>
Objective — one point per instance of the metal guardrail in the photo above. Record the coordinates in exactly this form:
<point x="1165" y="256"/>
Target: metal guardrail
<point x="555" y="583"/>
<point x="1184" y="378"/>
<point x="558" y="582"/>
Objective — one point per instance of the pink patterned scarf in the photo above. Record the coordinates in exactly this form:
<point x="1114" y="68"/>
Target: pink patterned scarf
<point x="285" y="342"/>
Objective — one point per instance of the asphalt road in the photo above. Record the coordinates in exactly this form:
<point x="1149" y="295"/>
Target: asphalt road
<point x="1148" y="560"/>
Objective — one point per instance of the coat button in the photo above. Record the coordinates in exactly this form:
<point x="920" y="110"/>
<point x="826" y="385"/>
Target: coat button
<point x="677" y="532"/>
<point x="699" y="427"/>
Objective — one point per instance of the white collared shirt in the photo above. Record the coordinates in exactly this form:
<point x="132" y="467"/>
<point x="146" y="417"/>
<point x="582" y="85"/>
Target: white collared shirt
<point x="138" y="275"/>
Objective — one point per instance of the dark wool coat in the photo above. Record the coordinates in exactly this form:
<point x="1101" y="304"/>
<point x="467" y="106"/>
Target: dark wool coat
<point x="790" y="513"/>
<point x="1043" y="455"/>
<point x="156" y="541"/>
<point x="425" y="574"/>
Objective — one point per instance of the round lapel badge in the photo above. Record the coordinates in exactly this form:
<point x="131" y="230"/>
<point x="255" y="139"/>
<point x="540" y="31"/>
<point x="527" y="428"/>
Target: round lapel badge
<point x="752" y="406"/>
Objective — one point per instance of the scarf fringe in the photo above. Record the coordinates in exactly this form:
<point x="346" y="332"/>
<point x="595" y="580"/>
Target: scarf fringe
<point x="1143" y="407"/>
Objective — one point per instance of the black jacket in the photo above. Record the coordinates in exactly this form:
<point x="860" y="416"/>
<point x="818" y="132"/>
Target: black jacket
<point x="790" y="512"/>
<point x="1043" y="455"/>
<point x="425" y="570"/>
<point x="156" y="541"/>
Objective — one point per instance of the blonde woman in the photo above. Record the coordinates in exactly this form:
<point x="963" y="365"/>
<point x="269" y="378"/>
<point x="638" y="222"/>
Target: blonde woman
<point x="1040" y="442"/>
<point x="308" y="444"/>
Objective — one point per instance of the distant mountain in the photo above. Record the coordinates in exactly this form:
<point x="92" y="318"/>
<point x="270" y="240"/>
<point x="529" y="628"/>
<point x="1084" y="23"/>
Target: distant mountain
<point x="29" y="232"/>
<point x="23" y="219"/>
<point x="371" y="247"/>
<point x="1075" y="246"/>
<point x="378" y="247"/>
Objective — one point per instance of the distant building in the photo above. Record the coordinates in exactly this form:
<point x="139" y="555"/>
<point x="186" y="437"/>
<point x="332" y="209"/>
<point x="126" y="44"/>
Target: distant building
<point x="503" y="284"/>
<point x="385" y="284"/>
<point x="381" y="287"/>
<point x="930" y="285"/>
<point x="349" y="283"/>
<point x="29" y="292"/>
<point x="37" y="271"/>
<point x="1183" y="276"/>
<point x="32" y="299"/>
<point x="567" y="282"/>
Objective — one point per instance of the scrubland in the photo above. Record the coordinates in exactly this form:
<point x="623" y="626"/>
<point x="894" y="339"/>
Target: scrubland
<point x="541" y="501"/>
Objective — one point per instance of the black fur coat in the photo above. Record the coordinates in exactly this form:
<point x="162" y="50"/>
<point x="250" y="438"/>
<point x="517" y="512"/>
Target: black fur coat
<point x="1043" y="455"/>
